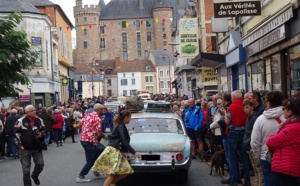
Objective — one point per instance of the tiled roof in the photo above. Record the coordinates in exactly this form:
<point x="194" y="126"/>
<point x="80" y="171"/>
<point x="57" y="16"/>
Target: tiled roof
<point x="158" y="57"/>
<point x="126" y="9"/>
<point x="136" y="66"/>
<point x="40" y="2"/>
<point x="85" y="68"/>
<point x="7" y="6"/>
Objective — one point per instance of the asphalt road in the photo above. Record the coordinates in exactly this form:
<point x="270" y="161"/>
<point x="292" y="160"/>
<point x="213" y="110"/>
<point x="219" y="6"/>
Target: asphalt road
<point x="62" y="165"/>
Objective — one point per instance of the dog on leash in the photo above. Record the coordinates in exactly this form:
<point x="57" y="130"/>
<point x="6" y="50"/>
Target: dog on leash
<point x="218" y="161"/>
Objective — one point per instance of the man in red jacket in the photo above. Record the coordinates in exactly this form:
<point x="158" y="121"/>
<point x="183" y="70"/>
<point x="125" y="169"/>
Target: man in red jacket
<point x="235" y="118"/>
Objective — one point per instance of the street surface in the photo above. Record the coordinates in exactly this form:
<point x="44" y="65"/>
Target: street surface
<point x="62" y="165"/>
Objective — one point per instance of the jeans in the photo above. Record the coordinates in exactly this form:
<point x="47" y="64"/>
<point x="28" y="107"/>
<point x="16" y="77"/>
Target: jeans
<point x="25" y="158"/>
<point x="235" y="144"/>
<point x="270" y="178"/>
<point x="13" y="147"/>
<point x="226" y="149"/>
<point x="48" y="138"/>
<point x="58" y="135"/>
<point x="91" y="155"/>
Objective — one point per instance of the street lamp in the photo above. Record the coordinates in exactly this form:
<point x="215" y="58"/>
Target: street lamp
<point x="164" y="57"/>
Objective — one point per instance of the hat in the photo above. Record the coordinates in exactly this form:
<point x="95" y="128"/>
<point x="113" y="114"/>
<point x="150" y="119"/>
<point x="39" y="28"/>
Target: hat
<point x="98" y="106"/>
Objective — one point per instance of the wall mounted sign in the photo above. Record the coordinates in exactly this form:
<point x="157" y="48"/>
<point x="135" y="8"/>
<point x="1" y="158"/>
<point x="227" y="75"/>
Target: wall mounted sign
<point x="236" y="8"/>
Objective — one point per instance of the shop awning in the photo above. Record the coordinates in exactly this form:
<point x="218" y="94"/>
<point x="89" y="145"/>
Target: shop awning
<point x="208" y="60"/>
<point x="185" y="68"/>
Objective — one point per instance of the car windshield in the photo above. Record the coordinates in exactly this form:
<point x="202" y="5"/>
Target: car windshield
<point x="154" y="125"/>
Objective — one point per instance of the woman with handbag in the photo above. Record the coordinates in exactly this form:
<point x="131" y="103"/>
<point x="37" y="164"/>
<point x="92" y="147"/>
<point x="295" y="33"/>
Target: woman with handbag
<point x="112" y="161"/>
<point x="285" y="145"/>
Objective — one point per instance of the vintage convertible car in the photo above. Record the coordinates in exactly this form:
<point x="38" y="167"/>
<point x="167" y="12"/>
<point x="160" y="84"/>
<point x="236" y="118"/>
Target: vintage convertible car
<point x="162" y="141"/>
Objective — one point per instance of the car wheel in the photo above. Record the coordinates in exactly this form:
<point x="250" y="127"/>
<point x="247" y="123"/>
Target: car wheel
<point x="182" y="176"/>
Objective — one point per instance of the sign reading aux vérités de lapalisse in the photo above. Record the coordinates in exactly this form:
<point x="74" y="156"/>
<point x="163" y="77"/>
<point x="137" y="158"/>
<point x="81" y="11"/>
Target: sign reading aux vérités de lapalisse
<point x="236" y="8"/>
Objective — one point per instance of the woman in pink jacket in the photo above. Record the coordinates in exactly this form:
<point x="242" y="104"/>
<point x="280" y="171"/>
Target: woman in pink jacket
<point x="285" y="145"/>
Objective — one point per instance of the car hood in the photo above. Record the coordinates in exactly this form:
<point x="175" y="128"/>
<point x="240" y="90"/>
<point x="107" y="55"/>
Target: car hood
<point x="158" y="142"/>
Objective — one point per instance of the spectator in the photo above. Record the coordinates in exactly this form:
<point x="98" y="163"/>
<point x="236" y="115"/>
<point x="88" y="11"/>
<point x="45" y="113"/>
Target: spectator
<point x="252" y="116"/>
<point x="48" y="122"/>
<point x="255" y="98"/>
<point x="58" y="122"/>
<point x="9" y="131"/>
<point x="214" y="126"/>
<point x="265" y="125"/>
<point x="235" y="118"/>
<point x="285" y="145"/>
<point x="90" y="108"/>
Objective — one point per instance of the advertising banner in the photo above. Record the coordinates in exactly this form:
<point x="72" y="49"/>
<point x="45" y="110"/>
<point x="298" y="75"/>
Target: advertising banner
<point x="209" y="76"/>
<point x="236" y="8"/>
<point x="188" y="37"/>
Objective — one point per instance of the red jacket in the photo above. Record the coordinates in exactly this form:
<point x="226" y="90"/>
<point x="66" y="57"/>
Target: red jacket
<point x="60" y="124"/>
<point x="238" y="116"/>
<point x="286" y="147"/>
<point x="205" y="113"/>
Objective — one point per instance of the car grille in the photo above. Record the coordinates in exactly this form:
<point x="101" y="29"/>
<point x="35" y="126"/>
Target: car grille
<point x="150" y="157"/>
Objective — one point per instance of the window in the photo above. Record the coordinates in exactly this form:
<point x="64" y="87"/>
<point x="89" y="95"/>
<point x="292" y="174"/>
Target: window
<point x="102" y="42"/>
<point x="165" y="36"/>
<point x="85" y="32"/>
<point x="161" y="84"/>
<point x="258" y="78"/>
<point x="76" y="19"/>
<point x="132" y="92"/>
<point x="138" y="37"/>
<point x="146" y="54"/>
<point x="138" y="24"/>
<point x="132" y="81"/>
<point x="148" y="79"/>
<point x="169" y="84"/>
<point x="101" y="29"/>
<point x="125" y="55"/>
<point x="149" y="88"/>
<point x="241" y="83"/>
<point x="213" y="43"/>
<point x="148" y="68"/>
<point x="124" y="45"/>
<point x="276" y="72"/>
<point x="123" y="81"/>
<point x="161" y="73"/>
<point x="139" y="46"/>
<point x="148" y="36"/>
<point x="124" y="37"/>
<point x="139" y="53"/>
<point x="85" y="44"/>
<point x="109" y="82"/>
<point x="124" y="92"/>
<point x="85" y="19"/>
<point x="132" y="74"/>
<point x="123" y="24"/>
<point x="165" y="43"/>
<point x="168" y="73"/>
<point x="148" y="23"/>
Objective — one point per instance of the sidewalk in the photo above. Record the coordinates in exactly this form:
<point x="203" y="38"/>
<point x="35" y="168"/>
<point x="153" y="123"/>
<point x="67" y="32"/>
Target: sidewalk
<point x="226" y="176"/>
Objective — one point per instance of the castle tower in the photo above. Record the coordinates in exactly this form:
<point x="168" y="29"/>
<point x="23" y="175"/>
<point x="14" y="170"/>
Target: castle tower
<point x="87" y="32"/>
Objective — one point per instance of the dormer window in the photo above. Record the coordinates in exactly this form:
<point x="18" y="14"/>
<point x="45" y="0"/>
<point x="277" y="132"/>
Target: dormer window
<point x="148" y="68"/>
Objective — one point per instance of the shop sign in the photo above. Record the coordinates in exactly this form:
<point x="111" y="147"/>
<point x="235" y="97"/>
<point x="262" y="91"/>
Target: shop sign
<point x="232" y="58"/>
<point x="188" y="28"/>
<point x="24" y="98"/>
<point x="274" y="37"/>
<point x="209" y="76"/>
<point x="236" y="8"/>
<point x="268" y="27"/>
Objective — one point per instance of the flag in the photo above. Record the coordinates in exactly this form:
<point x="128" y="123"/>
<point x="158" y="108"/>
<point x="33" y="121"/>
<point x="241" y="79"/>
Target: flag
<point x="60" y="28"/>
<point x="90" y="26"/>
<point x="82" y="28"/>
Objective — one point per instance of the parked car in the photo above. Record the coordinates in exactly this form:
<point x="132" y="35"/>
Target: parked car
<point x="113" y="106"/>
<point x="162" y="141"/>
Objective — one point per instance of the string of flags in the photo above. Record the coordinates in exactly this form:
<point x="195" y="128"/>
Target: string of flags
<point x="134" y="23"/>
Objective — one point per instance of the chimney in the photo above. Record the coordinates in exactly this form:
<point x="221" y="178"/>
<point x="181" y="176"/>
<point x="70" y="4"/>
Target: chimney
<point x="118" y="63"/>
<point x="141" y="3"/>
<point x="179" y="3"/>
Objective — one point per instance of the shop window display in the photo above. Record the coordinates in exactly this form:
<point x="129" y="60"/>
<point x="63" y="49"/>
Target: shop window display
<point x="276" y="72"/>
<point x="294" y="65"/>
<point x="258" y="76"/>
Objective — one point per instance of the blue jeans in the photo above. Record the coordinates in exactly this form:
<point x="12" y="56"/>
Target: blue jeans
<point x="225" y="144"/>
<point x="49" y="134"/>
<point x="13" y="147"/>
<point x="235" y="144"/>
<point x="270" y="178"/>
<point x="57" y="135"/>
<point x="91" y="155"/>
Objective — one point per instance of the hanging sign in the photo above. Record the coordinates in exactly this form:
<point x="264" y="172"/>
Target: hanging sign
<point x="236" y="8"/>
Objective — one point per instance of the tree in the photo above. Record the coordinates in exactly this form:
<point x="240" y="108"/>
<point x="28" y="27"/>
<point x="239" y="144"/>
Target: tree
<point x="15" y="55"/>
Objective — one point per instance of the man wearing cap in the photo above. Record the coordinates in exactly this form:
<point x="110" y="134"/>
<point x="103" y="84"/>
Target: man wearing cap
<point x="90" y="130"/>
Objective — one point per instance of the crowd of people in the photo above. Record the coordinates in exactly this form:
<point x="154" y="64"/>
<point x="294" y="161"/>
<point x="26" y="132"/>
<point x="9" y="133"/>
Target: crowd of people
<point x="258" y="133"/>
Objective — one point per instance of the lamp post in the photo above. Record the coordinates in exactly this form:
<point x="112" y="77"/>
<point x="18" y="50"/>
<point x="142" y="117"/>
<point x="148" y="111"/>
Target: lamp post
<point x="164" y="57"/>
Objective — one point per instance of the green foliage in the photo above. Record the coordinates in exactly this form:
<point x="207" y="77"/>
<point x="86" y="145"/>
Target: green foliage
<point x="15" y="55"/>
<point x="189" y="49"/>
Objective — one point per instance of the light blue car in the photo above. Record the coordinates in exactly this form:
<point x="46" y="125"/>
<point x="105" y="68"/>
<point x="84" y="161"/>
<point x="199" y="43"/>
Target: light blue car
<point x="162" y="141"/>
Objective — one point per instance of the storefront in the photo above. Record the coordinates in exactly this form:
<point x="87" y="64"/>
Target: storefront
<point x="273" y="59"/>
<point x="235" y="62"/>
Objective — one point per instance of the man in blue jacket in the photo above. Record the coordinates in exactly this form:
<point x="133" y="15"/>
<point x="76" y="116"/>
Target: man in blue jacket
<point x="193" y="120"/>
